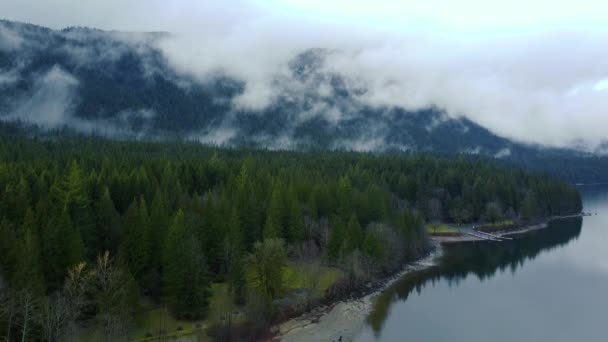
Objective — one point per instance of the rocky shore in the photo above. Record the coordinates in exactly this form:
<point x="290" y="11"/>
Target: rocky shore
<point x="343" y="320"/>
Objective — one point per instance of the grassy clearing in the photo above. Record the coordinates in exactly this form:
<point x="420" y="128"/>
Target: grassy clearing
<point x="310" y="277"/>
<point x="496" y="226"/>
<point x="149" y="322"/>
<point x="441" y="229"/>
<point x="150" y="319"/>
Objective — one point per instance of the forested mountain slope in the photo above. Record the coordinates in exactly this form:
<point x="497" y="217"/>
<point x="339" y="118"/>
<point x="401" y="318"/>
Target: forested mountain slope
<point x="121" y="85"/>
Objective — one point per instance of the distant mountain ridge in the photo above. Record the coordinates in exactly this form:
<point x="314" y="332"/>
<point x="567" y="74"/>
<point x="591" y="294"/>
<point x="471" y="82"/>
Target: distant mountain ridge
<point x="121" y="85"/>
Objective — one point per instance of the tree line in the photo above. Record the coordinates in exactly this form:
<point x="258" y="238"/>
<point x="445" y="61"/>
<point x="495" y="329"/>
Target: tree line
<point x="89" y="226"/>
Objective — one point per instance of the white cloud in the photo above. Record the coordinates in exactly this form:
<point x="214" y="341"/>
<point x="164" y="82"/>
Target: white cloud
<point x="9" y="39"/>
<point x="505" y="152"/>
<point x="50" y="103"/>
<point x="534" y="71"/>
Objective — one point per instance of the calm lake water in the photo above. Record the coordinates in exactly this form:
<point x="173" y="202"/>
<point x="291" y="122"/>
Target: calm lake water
<point x="551" y="285"/>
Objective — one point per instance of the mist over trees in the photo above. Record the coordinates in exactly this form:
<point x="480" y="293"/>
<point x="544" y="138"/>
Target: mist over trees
<point x="88" y="226"/>
<point x="122" y="85"/>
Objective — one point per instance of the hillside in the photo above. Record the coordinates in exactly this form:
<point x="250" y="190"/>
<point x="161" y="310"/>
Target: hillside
<point x="121" y="86"/>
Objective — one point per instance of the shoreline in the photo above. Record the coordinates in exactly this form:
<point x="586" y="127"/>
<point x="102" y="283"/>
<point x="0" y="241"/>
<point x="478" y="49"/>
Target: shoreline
<point x="344" y="319"/>
<point x="505" y="233"/>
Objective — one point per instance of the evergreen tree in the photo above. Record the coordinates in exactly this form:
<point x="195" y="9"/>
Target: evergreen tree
<point x="337" y="236"/>
<point x="28" y="272"/>
<point x="77" y="204"/>
<point x="159" y="224"/>
<point x="275" y="216"/>
<point x="9" y="248"/>
<point x="108" y="224"/>
<point x="247" y="200"/>
<point x="213" y="232"/>
<point x="71" y="247"/>
<point x="354" y="235"/>
<point x="267" y="263"/>
<point x="185" y="278"/>
<point x="296" y="222"/>
<point x="235" y="253"/>
<point x="135" y="248"/>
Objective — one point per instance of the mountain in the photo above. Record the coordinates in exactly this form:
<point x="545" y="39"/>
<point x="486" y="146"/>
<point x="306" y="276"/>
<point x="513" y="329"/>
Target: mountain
<point x="121" y="85"/>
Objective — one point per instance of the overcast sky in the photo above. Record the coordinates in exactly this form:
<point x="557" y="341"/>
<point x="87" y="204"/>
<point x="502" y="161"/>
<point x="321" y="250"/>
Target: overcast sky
<point x="535" y="71"/>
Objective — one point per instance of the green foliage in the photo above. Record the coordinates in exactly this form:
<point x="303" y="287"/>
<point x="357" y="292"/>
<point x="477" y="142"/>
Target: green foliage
<point x="231" y="215"/>
<point x="441" y="229"/>
<point x="185" y="275"/>
<point x="372" y="245"/>
<point x="28" y="273"/>
<point x="337" y="235"/>
<point x="108" y="224"/>
<point x="354" y="235"/>
<point x="276" y="216"/>
<point x="266" y="265"/>
<point x="135" y="242"/>
<point x="296" y="222"/>
<point x="235" y="258"/>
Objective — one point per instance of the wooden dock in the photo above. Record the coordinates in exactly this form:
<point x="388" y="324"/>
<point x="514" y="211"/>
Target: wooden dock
<point x="480" y="236"/>
<point x="486" y="236"/>
<point x="493" y="236"/>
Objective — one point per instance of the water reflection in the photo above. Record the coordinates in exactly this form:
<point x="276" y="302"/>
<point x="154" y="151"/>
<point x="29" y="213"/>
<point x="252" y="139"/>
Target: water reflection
<point x="482" y="259"/>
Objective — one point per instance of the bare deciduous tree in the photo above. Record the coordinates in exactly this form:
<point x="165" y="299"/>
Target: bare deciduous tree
<point x="8" y="306"/>
<point x="55" y="317"/>
<point x="113" y="288"/>
<point x="27" y="306"/>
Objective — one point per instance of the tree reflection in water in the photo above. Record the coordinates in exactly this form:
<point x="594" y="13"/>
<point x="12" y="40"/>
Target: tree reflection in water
<point x="482" y="258"/>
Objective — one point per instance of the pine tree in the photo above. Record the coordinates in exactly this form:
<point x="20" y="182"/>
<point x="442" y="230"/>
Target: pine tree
<point x="9" y="245"/>
<point x="344" y="195"/>
<point x="275" y="216"/>
<point x="108" y="224"/>
<point x="72" y="249"/>
<point x="267" y="263"/>
<point x="337" y="236"/>
<point x="185" y="273"/>
<point x="77" y="204"/>
<point x="354" y="235"/>
<point x="235" y="252"/>
<point x="213" y="233"/>
<point x="28" y="272"/>
<point x="159" y="224"/>
<point x="372" y="245"/>
<point x="296" y="222"/>
<point x="134" y="248"/>
<point x="246" y="198"/>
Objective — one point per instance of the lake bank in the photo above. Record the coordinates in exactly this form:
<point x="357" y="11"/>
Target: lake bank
<point x="509" y="291"/>
<point x="345" y="318"/>
<point x="522" y="229"/>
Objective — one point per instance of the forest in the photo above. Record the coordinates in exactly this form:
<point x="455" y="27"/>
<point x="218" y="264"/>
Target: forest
<point x="92" y="231"/>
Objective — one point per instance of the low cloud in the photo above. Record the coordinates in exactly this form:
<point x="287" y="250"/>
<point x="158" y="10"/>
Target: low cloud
<point x="533" y="78"/>
<point x="540" y="87"/>
<point x="9" y="39"/>
<point x="50" y="105"/>
<point x="50" y="102"/>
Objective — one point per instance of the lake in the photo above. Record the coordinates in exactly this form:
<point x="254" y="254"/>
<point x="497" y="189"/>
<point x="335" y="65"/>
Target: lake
<point x="549" y="285"/>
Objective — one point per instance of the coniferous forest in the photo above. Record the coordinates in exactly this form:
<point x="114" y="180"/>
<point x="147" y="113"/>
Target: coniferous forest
<point x="92" y="232"/>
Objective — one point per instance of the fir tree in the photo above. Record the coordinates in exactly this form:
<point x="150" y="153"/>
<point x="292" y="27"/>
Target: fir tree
<point x="108" y="224"/>
<point x="185" y="273"/>
<point x="134" y="248"/>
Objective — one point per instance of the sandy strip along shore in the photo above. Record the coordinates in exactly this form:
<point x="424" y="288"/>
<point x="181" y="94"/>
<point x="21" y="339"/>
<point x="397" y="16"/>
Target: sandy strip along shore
<point x="346" y="319"/>
<point x="343" y="319"/>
